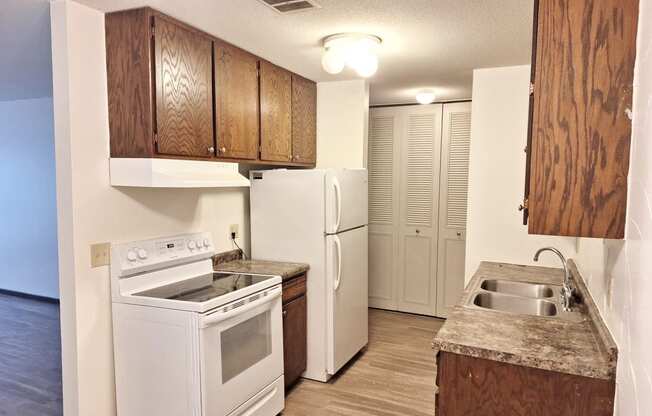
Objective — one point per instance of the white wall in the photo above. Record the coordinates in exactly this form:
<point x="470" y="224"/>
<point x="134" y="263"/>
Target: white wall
<point x="28" y="214"/>
<point x="91" y="211"/>
<point x="495" y="230"/>
<point x="342" y="124"/>
<point x="619" y="273"/>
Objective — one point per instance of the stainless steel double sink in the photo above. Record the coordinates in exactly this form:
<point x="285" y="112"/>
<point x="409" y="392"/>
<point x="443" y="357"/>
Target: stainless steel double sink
<point x="520" y="298"/>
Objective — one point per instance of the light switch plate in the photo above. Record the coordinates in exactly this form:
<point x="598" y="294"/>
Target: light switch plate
<point x="234" y="229"/>
<point x="100" y="254"/>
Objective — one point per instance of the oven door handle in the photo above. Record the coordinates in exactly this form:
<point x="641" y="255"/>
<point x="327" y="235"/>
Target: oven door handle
<point x="218" y="317"/>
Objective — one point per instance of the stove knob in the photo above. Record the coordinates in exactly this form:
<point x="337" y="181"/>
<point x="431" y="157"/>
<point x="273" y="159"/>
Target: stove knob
<point x="199" y="245"/>
<point x="191" y="245"/>
<point x="142" y="254"/>
<point x="131" y="255"/>
<point x="207" y="243"/>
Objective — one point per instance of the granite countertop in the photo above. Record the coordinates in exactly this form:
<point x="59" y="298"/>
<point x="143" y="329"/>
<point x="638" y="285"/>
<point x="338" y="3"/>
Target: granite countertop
<point x="580" y="346"/>
<point x="226" y="263"/>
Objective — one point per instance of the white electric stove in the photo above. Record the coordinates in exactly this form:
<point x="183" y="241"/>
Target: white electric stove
<point x="191" y="341"/>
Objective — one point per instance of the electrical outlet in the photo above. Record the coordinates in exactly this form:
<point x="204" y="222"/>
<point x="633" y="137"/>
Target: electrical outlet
<point x="100" y="254"/>
<point x="233" y="229"/>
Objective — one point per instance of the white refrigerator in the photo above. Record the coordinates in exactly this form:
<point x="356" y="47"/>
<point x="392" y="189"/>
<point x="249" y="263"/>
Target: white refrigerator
<point x="319" y="217"/>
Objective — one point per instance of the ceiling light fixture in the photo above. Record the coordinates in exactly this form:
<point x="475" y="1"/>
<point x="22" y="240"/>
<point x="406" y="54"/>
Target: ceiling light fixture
<point x="426" y="97"/>
<point x="356" y="50"/>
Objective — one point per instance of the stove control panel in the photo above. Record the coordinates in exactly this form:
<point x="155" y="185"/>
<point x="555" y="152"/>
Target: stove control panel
<point x="148" y="255"/>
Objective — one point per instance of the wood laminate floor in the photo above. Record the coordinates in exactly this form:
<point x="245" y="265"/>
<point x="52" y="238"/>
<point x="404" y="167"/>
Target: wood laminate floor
<point x="395" y="376"/>
<point x="30" y="357"/>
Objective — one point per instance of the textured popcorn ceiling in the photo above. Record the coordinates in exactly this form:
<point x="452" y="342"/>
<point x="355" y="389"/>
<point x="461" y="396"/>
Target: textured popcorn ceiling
<point x="427" y="43"/>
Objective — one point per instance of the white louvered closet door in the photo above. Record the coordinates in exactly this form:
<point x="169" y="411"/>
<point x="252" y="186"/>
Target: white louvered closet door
<point x="384" y="134"/>
<point x="418" y="171"/>
<point x="418" y="228"/>
<point x="456" y="139"/>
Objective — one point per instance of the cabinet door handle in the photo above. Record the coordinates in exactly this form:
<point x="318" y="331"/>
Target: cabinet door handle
<point x="285" y="314"/>
<point x="222" y="149"/>
<point x="211" y="149"/>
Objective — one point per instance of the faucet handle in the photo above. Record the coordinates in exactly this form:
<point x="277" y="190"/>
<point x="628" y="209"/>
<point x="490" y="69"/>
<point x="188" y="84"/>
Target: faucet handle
<point x="566" y="296"/>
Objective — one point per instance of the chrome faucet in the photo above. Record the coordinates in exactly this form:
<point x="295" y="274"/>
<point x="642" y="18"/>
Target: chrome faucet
<point x="567" y="289"/>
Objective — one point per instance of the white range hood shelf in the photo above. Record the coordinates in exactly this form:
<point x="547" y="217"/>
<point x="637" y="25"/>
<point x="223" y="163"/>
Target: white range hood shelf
<point x="173" y="173"/>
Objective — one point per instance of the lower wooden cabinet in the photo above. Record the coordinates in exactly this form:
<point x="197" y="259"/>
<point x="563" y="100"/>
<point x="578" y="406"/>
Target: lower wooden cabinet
<point x="475" y="386"/>
<point x="295" y="327"/>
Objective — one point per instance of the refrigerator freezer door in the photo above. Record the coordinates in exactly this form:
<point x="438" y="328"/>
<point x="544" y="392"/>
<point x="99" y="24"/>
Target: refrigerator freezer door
<point x="346" y="199"/>
<point x="347" y="299"/>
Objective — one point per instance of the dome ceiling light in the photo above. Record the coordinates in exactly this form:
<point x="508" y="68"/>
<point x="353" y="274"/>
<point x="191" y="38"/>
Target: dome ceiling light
<point x="426" y="97"/>
<point x="358" y="51"/>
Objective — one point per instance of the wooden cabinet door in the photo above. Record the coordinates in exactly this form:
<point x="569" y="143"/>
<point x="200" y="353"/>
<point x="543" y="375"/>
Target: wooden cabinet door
<point x="236" y="102"/>
<point x="465" y="383"/>
<point x="581" y="132"/>
<point x="304" y="120"/>
<point x="276" y="113"/>
<point x="294" y="339"/>
<point x="184" y="90"/>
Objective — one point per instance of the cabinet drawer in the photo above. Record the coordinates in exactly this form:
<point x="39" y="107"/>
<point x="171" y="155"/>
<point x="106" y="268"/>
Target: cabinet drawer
<point x="294" y="288"/>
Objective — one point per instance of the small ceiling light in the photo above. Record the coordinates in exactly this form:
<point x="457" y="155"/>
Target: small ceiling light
<point x="365" y="64"/>
<point x="356" y="50"/>
<point x="426" y="97"/>
<point x="333" y="61"/>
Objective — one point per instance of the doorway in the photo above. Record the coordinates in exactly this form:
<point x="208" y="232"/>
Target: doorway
<point x="30" y="334"/>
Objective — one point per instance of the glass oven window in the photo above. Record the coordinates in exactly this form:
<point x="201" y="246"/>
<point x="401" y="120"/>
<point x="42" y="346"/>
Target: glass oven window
<point x="245" y="344"/>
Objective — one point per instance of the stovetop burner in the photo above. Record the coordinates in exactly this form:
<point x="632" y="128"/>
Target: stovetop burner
<point x="204" y="288"/>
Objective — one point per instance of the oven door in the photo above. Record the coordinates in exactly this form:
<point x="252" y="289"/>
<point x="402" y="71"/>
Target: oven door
<point x="241" y="351"/>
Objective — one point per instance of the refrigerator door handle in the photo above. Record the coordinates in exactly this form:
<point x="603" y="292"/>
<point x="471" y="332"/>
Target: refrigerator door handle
<point x="338" y="197"/>
<point x="338" y="280"/>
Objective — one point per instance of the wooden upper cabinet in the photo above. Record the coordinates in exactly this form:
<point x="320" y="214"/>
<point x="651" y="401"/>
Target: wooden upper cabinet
<point x="236" y="102"/>
<point x="304" y="120"/>
<point x="184" y="90"/>
<point x="177" y="92"/>
<point x="276" y="113"/>
<point x="128" y="66"/>
<point x="583" y="80"/>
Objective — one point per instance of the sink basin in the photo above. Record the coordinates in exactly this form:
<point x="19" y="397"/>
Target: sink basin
<point x="530" y="290"/>
<point x="515" y="304"/>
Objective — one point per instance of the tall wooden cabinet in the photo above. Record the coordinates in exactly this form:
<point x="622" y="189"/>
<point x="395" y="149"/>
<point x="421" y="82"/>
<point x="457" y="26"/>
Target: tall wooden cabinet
<point x="583" y="68"/>
<point x="177" y="92"/>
